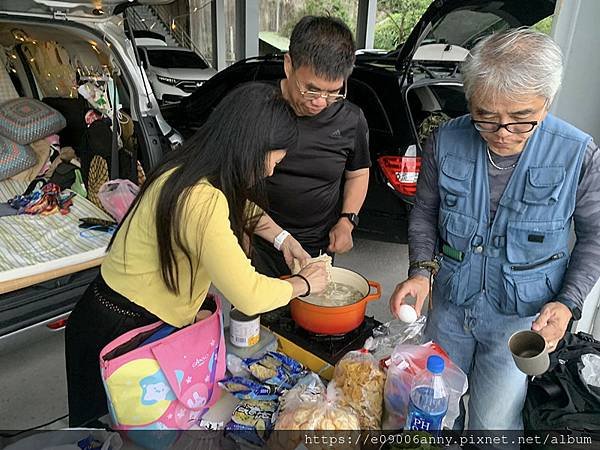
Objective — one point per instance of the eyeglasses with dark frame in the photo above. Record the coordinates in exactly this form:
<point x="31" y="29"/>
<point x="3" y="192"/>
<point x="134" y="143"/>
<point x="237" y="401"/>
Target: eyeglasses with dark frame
<point x="329" y="98"/>
<point x="512" y="127"/>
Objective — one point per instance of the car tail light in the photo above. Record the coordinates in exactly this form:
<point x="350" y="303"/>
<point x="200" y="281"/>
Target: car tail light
<point x="401" y="172"/>
<point x="57" y="325"/>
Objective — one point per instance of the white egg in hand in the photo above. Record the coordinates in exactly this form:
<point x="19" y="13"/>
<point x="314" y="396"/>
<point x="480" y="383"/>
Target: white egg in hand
<point x="407" y="314"/>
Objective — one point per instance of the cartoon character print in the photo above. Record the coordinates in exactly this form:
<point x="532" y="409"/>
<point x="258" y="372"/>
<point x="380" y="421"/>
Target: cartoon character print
<point x="185" y="418"/>
<point x="155" y="388"/>
<point x="196" y="397"/>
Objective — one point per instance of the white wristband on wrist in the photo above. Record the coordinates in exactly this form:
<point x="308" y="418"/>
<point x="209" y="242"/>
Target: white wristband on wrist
<point x="278" y="242"/>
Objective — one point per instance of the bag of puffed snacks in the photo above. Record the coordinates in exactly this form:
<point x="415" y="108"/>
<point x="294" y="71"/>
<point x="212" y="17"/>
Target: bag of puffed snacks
<point x="318" y="409"/>
<point x="308" y="389"/>
<point x="251" y="421"/>
<point x="360" y="382"/>
<point x="247" y="389"/>
<point x="275" y="369"/>
<point x="318" y="414"/>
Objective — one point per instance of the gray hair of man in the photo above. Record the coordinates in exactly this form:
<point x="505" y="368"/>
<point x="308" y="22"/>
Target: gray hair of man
<point x="512" y="64"/>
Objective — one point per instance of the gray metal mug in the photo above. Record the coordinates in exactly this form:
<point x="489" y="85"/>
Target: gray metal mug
<point x="530" y="352"/>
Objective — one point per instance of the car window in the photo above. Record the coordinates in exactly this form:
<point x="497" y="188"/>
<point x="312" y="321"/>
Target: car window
<point x="175" y="59"/>
<point x="365" y="97"/>
<point x="465" y="28"/>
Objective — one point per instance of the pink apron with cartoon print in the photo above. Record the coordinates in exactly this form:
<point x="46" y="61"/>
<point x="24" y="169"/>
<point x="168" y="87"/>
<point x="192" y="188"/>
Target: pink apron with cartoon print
<point x="166" y="384"/>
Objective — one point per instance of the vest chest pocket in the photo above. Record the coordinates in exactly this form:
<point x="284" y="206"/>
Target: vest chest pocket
<point x="457" y="229"/>
<point x="531" y="242"/>
<point x="455" y="176"/>
<point x="528" y="290"/>
<point x="543" y="185"/>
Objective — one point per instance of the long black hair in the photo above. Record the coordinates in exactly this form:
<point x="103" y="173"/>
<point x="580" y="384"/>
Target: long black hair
<point x="229" y="151"/>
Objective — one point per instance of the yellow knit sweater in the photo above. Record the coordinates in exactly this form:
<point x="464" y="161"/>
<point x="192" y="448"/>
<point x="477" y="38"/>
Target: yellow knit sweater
<point x="132" y="268"/>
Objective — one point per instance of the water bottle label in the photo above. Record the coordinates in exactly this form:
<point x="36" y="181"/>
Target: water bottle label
<point x="417" y="422"/>
<point x="426" y="411"/>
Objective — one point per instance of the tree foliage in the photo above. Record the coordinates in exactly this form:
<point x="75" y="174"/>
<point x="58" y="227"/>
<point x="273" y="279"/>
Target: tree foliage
<point x="544" y="25"/>
<point x="334" y="8"/>
<point x="396" y="19"/>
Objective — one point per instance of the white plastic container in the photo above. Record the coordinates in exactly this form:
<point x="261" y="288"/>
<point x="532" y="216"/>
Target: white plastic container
<point x="244" y="331"/>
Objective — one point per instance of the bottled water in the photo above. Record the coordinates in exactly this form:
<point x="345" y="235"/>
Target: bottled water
<point x="428" y="398"/>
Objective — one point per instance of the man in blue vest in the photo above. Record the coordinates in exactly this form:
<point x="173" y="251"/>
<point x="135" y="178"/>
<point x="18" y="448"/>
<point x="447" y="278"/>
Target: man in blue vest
<point x="498" y="192"/>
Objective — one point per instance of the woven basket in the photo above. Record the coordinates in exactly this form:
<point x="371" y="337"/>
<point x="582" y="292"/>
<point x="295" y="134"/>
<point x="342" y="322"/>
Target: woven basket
<point x="98" y="175"/>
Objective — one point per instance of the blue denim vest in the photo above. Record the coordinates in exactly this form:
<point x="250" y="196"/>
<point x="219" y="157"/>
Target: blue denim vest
<point x="518" y="260"/>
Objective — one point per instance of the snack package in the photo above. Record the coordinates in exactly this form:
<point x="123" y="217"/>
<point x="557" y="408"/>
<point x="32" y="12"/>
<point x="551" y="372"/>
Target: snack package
<point x="247" y="389"/>
<point x="407" y="361"/>
<point x="252" y="421"/>
<point x="324" y="412"/>
<point x="308" y="389"/>
<point x="360" y="381"/>
<point x="275" y="369"/>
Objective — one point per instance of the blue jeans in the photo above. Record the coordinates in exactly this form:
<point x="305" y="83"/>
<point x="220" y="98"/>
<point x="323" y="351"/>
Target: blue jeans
<point x="476" y="339"/>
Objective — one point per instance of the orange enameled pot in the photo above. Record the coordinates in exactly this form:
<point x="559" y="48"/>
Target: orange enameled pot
<point x="336" y="319"/>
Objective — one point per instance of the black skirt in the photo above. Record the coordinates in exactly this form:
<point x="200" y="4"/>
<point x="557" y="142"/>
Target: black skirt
<point x="100" y="316"/>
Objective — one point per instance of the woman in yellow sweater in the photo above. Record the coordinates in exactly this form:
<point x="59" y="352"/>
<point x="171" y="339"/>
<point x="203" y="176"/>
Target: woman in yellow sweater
<point x="186" y="230"/>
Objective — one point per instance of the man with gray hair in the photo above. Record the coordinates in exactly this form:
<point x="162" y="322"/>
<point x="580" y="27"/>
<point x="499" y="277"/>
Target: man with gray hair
<point x="498" y="192"/>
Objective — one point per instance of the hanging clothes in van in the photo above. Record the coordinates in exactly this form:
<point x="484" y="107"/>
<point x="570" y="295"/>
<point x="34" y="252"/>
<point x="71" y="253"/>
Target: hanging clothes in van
<point x="51" y="66"/>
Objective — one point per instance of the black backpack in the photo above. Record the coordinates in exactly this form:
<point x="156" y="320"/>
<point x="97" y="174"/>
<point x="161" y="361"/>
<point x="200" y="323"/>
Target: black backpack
<point x="560" y="399"/>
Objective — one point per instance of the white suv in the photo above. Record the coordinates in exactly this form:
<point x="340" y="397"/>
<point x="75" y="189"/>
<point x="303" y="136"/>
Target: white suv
<point x="174" y="72"/>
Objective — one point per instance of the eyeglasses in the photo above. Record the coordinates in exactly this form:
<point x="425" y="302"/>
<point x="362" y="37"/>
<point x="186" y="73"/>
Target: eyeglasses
<point x="513" y="127"/>
<point x="330" y="98"/>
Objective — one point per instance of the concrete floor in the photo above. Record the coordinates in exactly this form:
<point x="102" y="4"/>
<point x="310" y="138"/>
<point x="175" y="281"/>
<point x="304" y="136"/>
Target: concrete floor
<point x="33" y="388"/>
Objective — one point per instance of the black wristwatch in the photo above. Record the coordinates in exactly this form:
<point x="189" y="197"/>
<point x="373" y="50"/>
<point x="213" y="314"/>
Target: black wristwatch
<point x="352" y="217"/>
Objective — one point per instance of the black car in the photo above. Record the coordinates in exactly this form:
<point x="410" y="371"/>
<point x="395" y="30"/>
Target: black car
<point x="404" y="95"/>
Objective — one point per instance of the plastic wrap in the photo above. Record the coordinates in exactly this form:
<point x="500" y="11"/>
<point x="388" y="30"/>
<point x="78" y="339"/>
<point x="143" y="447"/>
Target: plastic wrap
<point x="117" y="196"/>
<point x="388" y="335"/>
<point x="591" y="369"/>
<point x="235" y="366"/>
<point x="406" y="361"/>
<point x="360" y="382"/>
<point x="308" y="389"/>
<point x="323" y="413"/>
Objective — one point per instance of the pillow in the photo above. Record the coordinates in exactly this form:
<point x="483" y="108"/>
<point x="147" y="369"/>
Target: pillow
<point x="14" y="158"/>
<point x="25" y="120"/>
<point x="41" y="149"/>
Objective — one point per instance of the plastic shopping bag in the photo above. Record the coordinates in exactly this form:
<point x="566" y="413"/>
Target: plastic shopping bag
<point x="117" y="196"/>
<point x="360" y="382"/>
<point x="322" y="411"/>
<point x="407" y="361"/>
<point x="311" y="411"/>
<point x="388" y="335"/>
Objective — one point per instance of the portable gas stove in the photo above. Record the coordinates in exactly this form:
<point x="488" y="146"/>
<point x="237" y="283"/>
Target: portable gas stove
<point x="318" y="352"/>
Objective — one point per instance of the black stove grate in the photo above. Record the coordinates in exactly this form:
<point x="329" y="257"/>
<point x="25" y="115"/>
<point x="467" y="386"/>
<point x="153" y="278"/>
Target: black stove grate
<point x="330" y="348"/>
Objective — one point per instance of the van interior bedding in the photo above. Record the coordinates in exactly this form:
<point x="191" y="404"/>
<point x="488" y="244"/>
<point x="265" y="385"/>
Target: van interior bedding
<point x="72" y="74"/>
<point x="33" y="244"/>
